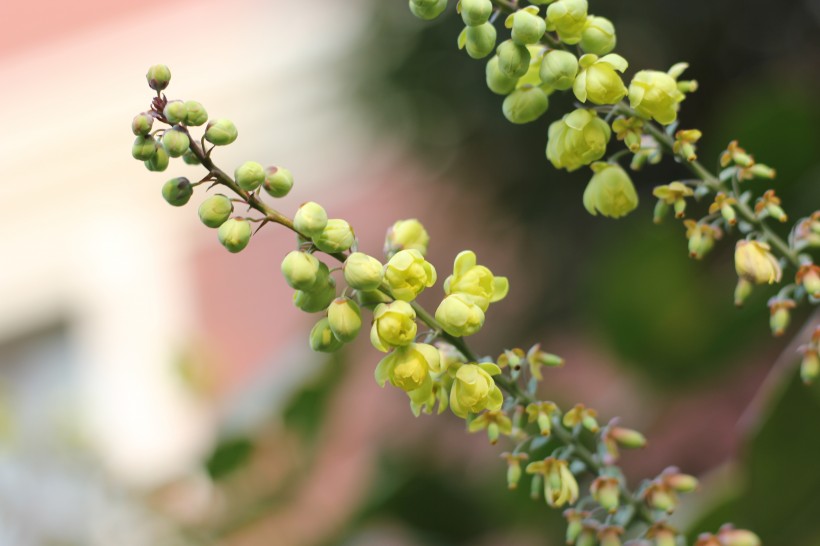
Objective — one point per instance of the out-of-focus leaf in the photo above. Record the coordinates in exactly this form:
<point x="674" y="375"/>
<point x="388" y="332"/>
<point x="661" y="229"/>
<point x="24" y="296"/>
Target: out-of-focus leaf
<point x="306" y="409"/>
<point x="228" y="456"/>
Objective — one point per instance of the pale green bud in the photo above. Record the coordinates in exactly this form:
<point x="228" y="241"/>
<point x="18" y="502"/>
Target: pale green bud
<point x="177" y="191"/>
<point x="567" y="17"/>
<point x="142" y="123"/>
<point x="498" y="82"/>
<point x="479" y="40"/>
<point x="809" y="366"/>
<point x="249" y="175"/>
<point x="406" y="235"/>
<point x="175" y="112"/>
<point x="527" y="26"/>
<point x="408" y="274"/>
<point x="598" y="36"/>
<point x="345" y="319"/>
<point x="337" y="236"/>
<point x="175" y="142"/>
<point x="742" y="291"/>
<point x="235" y="234"/>
<point x="195" y="113"/>
<point x="319" y="296"/>
<point x="322" y="339"/>
<point x="513" y="59"/>
<point x="310" y="219"/>
<point x="144" y="148"/>
<point x="654" y="94"/>
<point x="578" y="139"/>
<point x="158" y="77"/>
<point x="475" y="12"/>
<point x="215" y="210"/>
<point x="598" y="80"/>
<point x="558" y="69"/>
<point x="190" y="158"/>
<point x="159" y="161"/>
<point x="610" y="192"/>
<point x="459" y="316"/>
<point x="525" y="104"/>
<point x="394" y="325"/>
<point x="278" y="181"/>
<point x="427" y="9"/>
<point x="220" y="132"/>
<point x="301" y="270"/>
<point x="363" y="272"/>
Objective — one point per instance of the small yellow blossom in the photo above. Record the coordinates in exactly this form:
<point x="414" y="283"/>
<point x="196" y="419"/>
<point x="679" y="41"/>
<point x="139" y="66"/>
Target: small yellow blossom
<point x="474" y="389"/>
<point x="578" y="139"/>
<point x="476" y="282"/>
<point x="406" y="235"/>
<point x="459" y="316"/>
<point x="394" y="325"/>
<point x="598" y="79"/>
<point x="408" y="274"/>
<point x="755" y="263"/>
<point x="560" y="486"/>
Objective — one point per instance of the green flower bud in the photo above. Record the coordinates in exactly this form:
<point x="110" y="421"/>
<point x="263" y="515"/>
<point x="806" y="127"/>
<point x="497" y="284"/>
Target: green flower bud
<point x="142" y="123"/>
<point x="427" y="9"/>
<point x="345" y="319"/>
<point x="654" y="94"/>
<point x="322" y="339"/>
<point x="177" y="191"/>
<point x="190" y="158"/>
<point x="513" y="59"/>
<point x="144" y="148"/>
<point x="337" y="236"/>
<point x="215" y="210"/>
<point x="235" y="234"/>
<point x="310" y="219"/>
<point x="220" y="132"/>
<point x="301" y="270"/>
<point x="527" y="26"/>
<point x="558" y="69"/>
<point x="159" y="161"/>
<point x="497" y="82"/>
<point x="479" y="40"/>
<point x="408" y="274"/>
<point x="320" y="296"/>
<point x="363" y="272"/>
<point x="578" y="139"/>
<point x="459" y="316"/>
<point x="598" y="80"/>
<point x="158" y="77"/>
<point x="610" y="191"/>
<point x="249" y="175"/>
<point x="394" y="325"/>
<point x="406" y="235"/>
<point x="475" y="12"/>
<point x="567" y="17"/>
<point x="598" y="36"/>
<point x="278" y="181"/>
<point x="175" y="142"/>
<point x="175" y="112"/>
<point x="525" y="104"/>
<point x="195" y="113"/>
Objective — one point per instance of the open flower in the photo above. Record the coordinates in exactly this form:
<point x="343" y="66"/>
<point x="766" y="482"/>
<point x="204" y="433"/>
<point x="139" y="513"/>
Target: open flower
<point x="598" y="79"/>
<point x="408" y="273"/>
<point x="394" y="325"/>
<point x="409" y="368"/>
<point x="610" y="191"/>
<point x="475" y="281"/>
<point x="560" y="486"/>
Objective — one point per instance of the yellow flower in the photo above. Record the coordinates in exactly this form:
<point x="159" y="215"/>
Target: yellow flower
<point x="406" y="235"/>
<point x="755" y="263"/>
<point x="674" y="194"/>
<point x="394" y="325"/>
<point x="408" y="273"/>
<point x="560" y="486"/>
<point x="495" y="422"/>
<point x="578" y="139"/>
<point x="363" y="272"/>
<point x="474" y="389"/>
<point x="408" y="368"/>
<point x="567" y="17"/>
<point x="598" y="80"/>
<point x="610" y="191"/>
<point x="459" y="316"/>
<point x="654" y="94"/>
<point x="475" y="281"/>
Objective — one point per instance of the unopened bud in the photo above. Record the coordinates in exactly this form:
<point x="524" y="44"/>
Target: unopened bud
<point x="221" y="132"/>
<point x="498" y="82"/>
<point x="337" y="236"/>
<point x="190" y="158"/>
<point x="406" y="235"/>
<point x="195" y="113"/>
<point x="175" y="142"/>
<point x="427" y="9"/>
<point x="177" y="191"/>
<point x="606" y="492"/>
<point x="682" y="483"/>
<point x="527" y="26"/>
<point x="513" y="59"/>
<point x="762" y="171"/>
<point x="525" y="105"/>
<point x="175" y="112"/>
<point x="141" y="124"/>
<point x="159" y="161"/>
<point x="363" y="272"/>
<point x="310" y="219"/>
<point x="627" y="437"/>
<point x="479" y="41"/>
<point x="809" y="366"/>
<point x="278" y="181"/>
<point x="158" y="77"/>
<point x="215" y="210"/>
<point x="300" y="269"/>
<point x="558" y="69"/>
<point x="729" y="536"/>
<point x="780" y="315"/>
<point x="144" y="148"/>
<point x="742" y="291"/>
<point x="317" y="298"/>
<point x="322" y="338"/>
<point x="345" y="319"/>
<point x="661" y="210"/>
<point x="235" y="234"/>
<point x="475" y="12"/>
<point x="249" y="175"/>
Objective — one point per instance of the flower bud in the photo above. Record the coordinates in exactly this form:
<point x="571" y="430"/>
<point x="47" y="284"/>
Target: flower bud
<point x="394" y="325"/>
<point x="406" y="235"/>
<point x="301" y="270"/>
<point x="363" y="272"/>
<point x="175" y="112"/>
<point x="475" y="12"/>
<point x="190" y="158"/>
<point x="809" y="366"/>
<point x="337" y="236"/>
<point x="144" y="148"/>
<point x="215" y="210"/>
<point x="809" y="277"/>
<point x="474" y="389"/>
<point x="175" y="142"/>
<point x="321" y="294"/>
<point x="558" y="69"/>
<point x="525" y="104"/>
<point x="249" y="175"/>
<point x="177" y="191"/>
<point x="427" y="9"/>
<point x="701" y="238"/>
<point x="580" y="415"/>
<point x="654" y="94"/>
<point x="660" y="212"/>
<point x="310" y="219"/>
<point x="220" y="132"/>
<point x="475" y="282"/>
<point x="575" y="524"/>
<point x="674" y="194"/>
<point x="345" y="319"/>
<point x="159" y="161"/>
<point x="479" y="40"/>
<point x="759" y="170"/>
<point x="779" y="314"/>
<point x="322" y="339"/>
<point x="755" y="263"/>
<point x="459" y="316"/>
<point x="578" y="139"/>
<point x="235" y="234"/>
<point x="742" y="291"/>
<point x="627" y="437"/>
<point x="598" y="36"/>
<point x="610" y="191"/>
<point x="660" y="496"/>
<point x="513" y="59"/>
<point x="498" y="82"/>
<point x="407" y="274"/>
<point x="278" y="181"/>
<point x="682" y="483"/>
<point x="598" y="80"/>
<point x="408" y="368"/>
<point x="527" y="26"/>
<point x="560" y="486"/>
<point x="141" y="124"/>
<point x="541" y="413"/>
<point x="514" y="468"/>
<point x="158" y="77"/>
<point x="567" y="17"/>
<point x="610" y="536"/>
<point x="606" y="492"/>
<point x="729" y="536"/>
